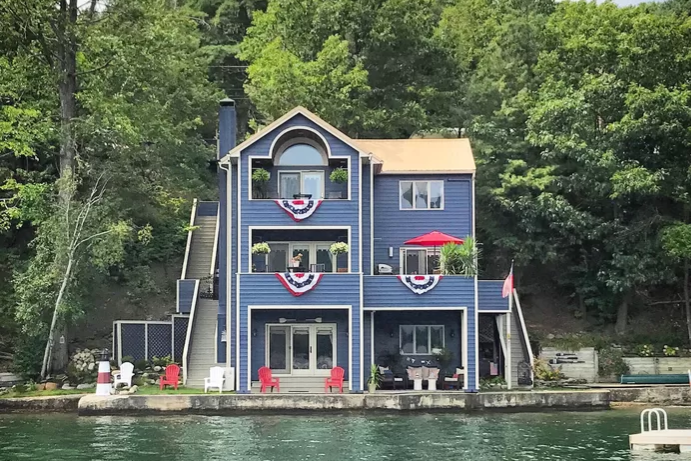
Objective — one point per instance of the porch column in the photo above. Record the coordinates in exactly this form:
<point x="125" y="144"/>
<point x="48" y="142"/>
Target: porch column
<point x="355" y="338"/>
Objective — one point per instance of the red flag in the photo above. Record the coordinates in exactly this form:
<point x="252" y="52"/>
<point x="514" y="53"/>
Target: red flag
<point x="508" y="284"/>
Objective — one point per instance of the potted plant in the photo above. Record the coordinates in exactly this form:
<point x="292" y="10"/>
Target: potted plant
<point x="460" y="259"/>
<point x="337" y="249"/>
<point x="374" y="378"/>
<point x="297" y="259"/>
<point x="261" y="248"/>
<point x="338" y="176"/>
<point x="260" y="178"/>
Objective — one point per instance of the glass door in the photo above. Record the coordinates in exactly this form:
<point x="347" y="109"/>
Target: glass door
<point x="302" y="350"/>
<point x="325" y="347"/>
<point x="279" y="348"/>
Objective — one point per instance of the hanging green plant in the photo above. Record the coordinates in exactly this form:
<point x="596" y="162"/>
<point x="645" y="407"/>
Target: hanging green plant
<point x="339" y="175"/>
<point x="260" y="175"/>
<point x="339" y="248"/>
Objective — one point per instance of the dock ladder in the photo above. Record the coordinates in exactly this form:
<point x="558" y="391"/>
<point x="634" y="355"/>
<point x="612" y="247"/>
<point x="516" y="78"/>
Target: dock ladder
<point x="660" y="419"/>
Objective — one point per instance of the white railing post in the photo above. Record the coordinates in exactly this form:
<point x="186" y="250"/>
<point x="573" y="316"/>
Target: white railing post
<point x="189" y="239"/>
<point x="524" y="329"/>
<point x="188" y="337"/>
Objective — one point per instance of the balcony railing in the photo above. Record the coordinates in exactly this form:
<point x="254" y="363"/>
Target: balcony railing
<point x="387" y="291"/>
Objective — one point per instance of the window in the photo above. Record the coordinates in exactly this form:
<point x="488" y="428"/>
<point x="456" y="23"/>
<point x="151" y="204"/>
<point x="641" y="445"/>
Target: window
<point x="421" y="195"/>
<point x="421" y="339"/>
<point x="315" y="256"/>
<point x="292" y="183"/>
<point x="418" y="261"/>
<point x="300" y="155"/>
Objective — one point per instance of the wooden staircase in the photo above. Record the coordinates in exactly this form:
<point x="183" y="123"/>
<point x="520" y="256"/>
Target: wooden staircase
<point x="202" y="344"/>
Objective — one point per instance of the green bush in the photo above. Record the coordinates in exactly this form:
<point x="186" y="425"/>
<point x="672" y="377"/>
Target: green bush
<point x="611" y="362"/>
<point x="161" y="361"/>
<point x="141" y="365"/>
<point x="460" y="259"/>
<point x="28" y="357"/>
<point x="546" y="372"/>
<point x="128" y="358"/>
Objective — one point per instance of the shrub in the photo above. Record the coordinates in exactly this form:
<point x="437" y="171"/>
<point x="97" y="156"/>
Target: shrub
<point x="546" y="372"/>
<point x="163" y="361"/>
<point x="28" y="357"/>
<point x="611" y="362"/>
<point x="128" y="358"/>
<point x="670" y="351"/>
<point x="141" y="365"/>
<point x="260" y="175"/>
<point x="339" y="175"/>
<point x="645" y="350"/>
<point x="460" y="259"/>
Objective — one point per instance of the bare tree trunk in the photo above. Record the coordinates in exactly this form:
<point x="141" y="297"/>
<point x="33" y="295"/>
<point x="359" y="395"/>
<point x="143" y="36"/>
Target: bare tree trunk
<point x="47" y="355"/>
<point x="622" y="315"/>
<point x="67" y="87"/>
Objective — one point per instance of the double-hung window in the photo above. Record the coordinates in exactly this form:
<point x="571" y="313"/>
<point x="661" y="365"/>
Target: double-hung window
<point x="421" y="339"/>
<point x="421" y="195"/>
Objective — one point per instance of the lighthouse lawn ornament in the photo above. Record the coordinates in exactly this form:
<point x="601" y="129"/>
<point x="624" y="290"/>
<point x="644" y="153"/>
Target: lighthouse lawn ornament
<point x="103" y="381"/>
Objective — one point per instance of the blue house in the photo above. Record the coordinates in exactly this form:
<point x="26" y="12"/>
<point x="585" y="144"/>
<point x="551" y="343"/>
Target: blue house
<point x="303" y="308"/>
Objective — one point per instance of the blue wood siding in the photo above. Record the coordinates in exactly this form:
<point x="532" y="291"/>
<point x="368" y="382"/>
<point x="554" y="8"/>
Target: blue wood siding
<point x="233" y="270"/>
<point x="266" y="289"/>
<point x="366" y="222"/>
<point x="489" y="296"/>
<point x="185" y="295"/>
<point x="392" y="227"/>
<point x="330" y="213"/>
<point x="261" y="317"/>
<point x="210" y="208"/>
<point x="382" y="291"/>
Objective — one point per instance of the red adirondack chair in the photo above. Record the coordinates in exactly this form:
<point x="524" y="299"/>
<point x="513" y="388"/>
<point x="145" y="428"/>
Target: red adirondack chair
<point x="171" y="377"/>
<point x="268" y="381"/>
<point x="336" y="379"/>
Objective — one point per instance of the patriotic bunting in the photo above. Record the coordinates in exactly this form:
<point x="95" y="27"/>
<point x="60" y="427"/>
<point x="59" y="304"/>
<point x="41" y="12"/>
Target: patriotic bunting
<point x="299" y="209"/>
<point x="420" y="284"/>
<point x="298" y="283"/>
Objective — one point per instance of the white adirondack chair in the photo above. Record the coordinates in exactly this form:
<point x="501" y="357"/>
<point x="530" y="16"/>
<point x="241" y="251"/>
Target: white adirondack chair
<point x="125" y="375"/>
<point x="215" y="381"/>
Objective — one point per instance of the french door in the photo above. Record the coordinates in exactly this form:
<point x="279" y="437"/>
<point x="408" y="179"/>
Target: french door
<point x="301" y="349"/>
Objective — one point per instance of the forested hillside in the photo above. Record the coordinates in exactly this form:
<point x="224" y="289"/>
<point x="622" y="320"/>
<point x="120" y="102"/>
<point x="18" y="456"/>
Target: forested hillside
<point x="580" y="117"/>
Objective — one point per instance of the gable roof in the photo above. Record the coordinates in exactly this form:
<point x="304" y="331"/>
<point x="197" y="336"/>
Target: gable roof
<point x="399" y="156"/>
<point x="235" y="152"/>
<point x="396" y="156"/>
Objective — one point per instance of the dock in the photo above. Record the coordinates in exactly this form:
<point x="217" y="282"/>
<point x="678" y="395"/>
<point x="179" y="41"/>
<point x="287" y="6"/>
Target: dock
<point x="658" y="436"/>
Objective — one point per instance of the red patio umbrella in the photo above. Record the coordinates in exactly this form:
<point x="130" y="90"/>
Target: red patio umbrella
<point x="434" y="239"/>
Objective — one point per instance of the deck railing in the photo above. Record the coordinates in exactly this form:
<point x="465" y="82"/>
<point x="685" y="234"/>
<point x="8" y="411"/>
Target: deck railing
<point x="189" y="239"/>
<point x="188" y="338"/>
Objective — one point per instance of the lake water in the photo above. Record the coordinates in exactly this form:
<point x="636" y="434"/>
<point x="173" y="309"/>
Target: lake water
<point x="563" y="436"/>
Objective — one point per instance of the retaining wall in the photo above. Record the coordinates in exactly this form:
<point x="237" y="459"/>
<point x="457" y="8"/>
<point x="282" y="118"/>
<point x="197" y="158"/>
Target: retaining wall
<point x="586" y="368"/>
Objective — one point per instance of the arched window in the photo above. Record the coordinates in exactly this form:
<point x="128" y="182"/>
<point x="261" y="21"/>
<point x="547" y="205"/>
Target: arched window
<point x="300" y="154"/>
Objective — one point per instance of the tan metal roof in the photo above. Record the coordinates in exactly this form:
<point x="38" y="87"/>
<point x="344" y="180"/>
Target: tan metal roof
<point x="400" y="156"/>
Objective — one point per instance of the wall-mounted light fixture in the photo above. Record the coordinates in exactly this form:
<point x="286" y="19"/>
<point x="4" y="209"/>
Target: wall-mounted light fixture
<point x="452" y="333"/>
<point x="254" y="332"/>
<point x="390" y="252"/>
<point x="391" y="333"/>
<point x="224" y="336"/>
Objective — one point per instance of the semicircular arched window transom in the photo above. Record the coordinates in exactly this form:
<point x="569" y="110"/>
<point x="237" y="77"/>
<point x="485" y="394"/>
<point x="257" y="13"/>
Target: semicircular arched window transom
<point x="301" y="155"/>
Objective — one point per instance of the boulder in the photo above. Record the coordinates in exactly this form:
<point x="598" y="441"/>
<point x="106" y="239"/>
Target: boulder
<point x="67" y="387"/>
<point x="133" y="389"/>
<point x="158" y="368"/>
<point x="86" y="386"/>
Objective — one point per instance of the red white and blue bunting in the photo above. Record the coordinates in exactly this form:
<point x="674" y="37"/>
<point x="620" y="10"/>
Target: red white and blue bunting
<point x="420" y="284"/>
<point x="299" y="209"/>
<point x="299" y="283"/>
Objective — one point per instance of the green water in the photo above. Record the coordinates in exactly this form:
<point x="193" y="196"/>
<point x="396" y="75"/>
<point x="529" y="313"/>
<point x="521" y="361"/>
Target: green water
<point x="343" y="437"/>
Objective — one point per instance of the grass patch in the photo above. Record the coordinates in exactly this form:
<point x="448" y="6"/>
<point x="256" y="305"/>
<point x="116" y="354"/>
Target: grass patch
<point x="142" y="390"/>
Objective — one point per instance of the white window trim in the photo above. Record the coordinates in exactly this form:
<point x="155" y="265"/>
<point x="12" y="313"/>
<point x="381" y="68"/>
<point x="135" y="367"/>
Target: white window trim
<point x="429" y="338"/>
<point x="312" y="249"/>
<point x="428" y="251"/>
<point x="299" y="140"/>
<point x="429" y="182"/>
<point x="300" y="172"/>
